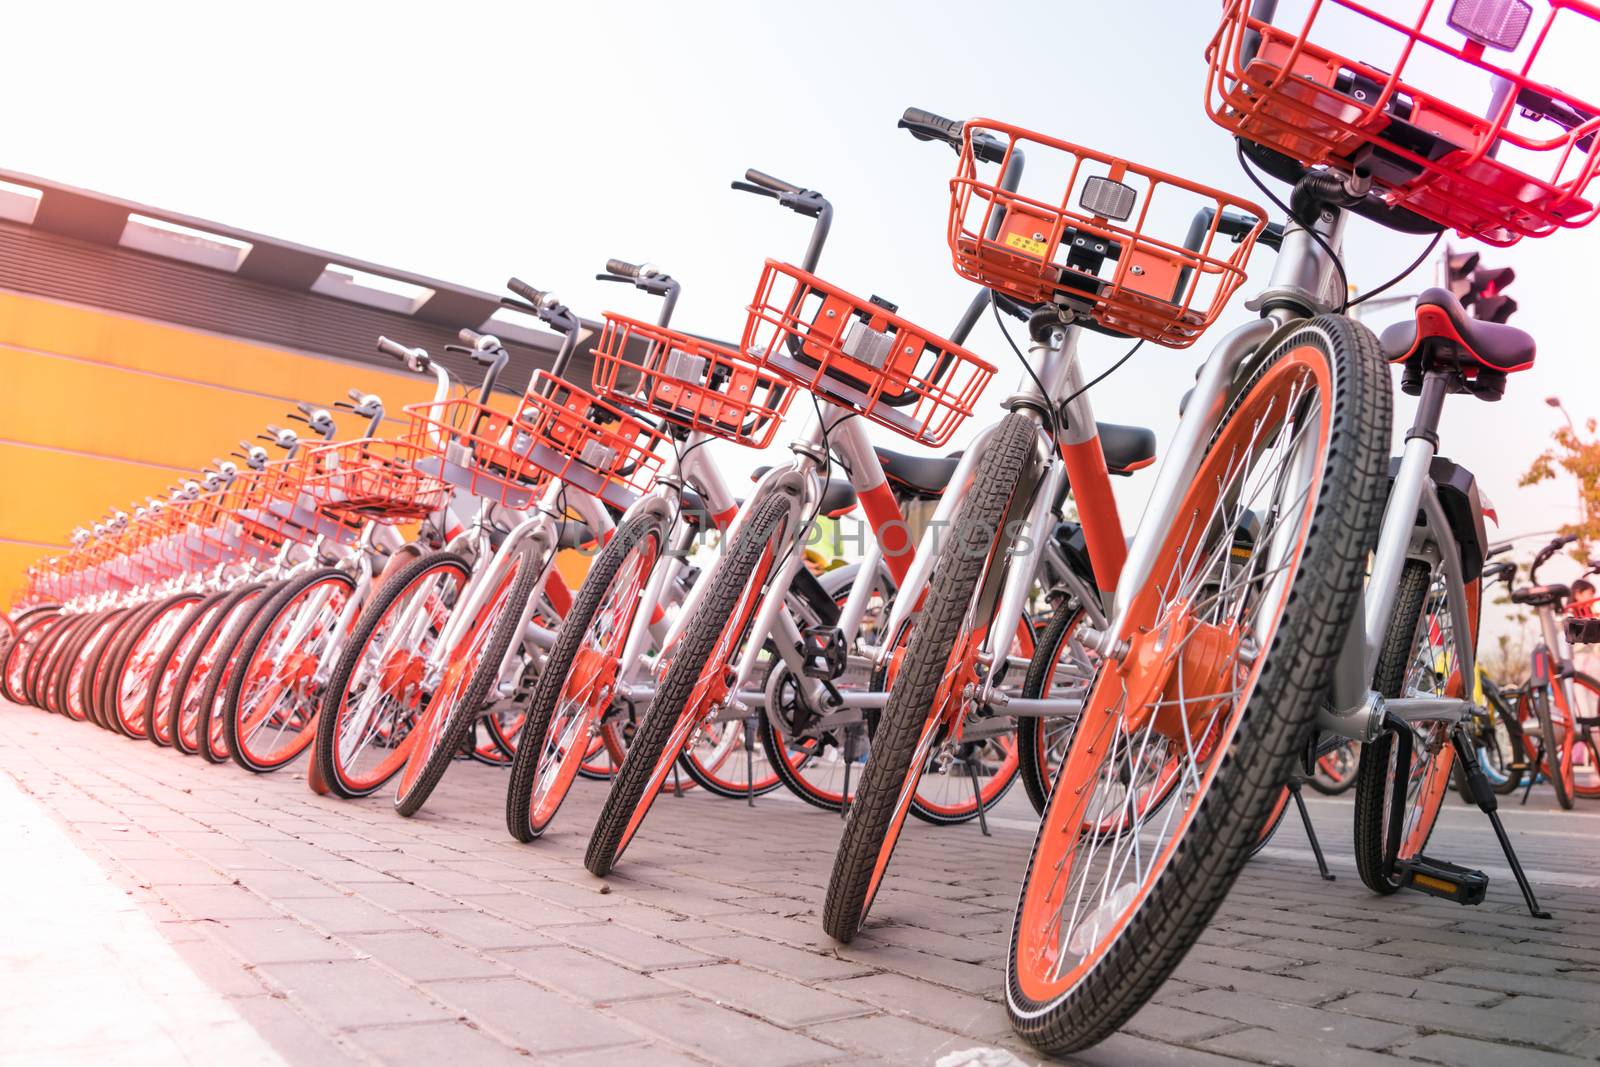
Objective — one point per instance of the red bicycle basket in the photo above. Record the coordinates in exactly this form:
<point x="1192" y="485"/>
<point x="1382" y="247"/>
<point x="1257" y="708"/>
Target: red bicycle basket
<point x="559" y="431"/>
<point x="1452" y="125"/>
<point x="861" y="355"/>
<point x="690" y="381"/>
<point x="377" y="480"/>
<point x="1088" y="239"/>
<point x="269" y="507"/>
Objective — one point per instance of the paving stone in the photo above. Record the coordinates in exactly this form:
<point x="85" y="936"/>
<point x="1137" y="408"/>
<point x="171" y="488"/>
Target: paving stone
<point x="729" y="1037"/>
<point x="1336" y="979"/>
<point x="782" y="959"/>
<point x="936" y="1006"/>
<point x="1527" y="1029"/>
<point x="352" y="994"/>
<point x="583" y="976"/>
<point x="777" y="1000"/>
<point x="629" y="947"/>
<point x="426" y="1044"/>
<point x="896" y="1039"/>
<point x="529" y="1018"/>
<point x="1466" y="1052"/>
<point x="297" y="1038"/>
<point x="1267" y="1046"/>
<point x="1295" y="1018"/>
<point x="477" y="930"/>
<point x="420" y="956"/>
<point x="1165" y="1022"/>
<point x="346" y="915"/>
<point x="276" y="941"/>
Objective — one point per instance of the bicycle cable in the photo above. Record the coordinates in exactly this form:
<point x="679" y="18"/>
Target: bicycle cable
<point x="1403" y="275"/>
<point x="1103" y="375"/>
<point x="1338" y="264"/>
<point x="1050" y="421"/>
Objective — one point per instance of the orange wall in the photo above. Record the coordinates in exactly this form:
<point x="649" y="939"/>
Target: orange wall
<point x="98" y="410"/>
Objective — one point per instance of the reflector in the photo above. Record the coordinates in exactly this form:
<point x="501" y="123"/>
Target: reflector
<point x="1492" y="23"/>
<point x="1106" y="198"/>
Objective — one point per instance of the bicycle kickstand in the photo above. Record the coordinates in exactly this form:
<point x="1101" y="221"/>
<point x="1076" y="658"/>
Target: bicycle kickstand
<point x="1488" y="803"/>
<point x="750" y="760"/>
<point x="977" y="795"/>
<point x="1311" y="831"/>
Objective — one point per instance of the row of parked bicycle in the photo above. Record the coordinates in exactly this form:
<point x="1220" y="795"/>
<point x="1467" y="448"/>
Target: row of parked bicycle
<point x="392" y="603"/>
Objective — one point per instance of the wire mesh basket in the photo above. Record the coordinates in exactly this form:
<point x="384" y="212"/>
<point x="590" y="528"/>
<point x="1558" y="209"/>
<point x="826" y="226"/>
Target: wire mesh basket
<point x="1136" y="250"/>
<point x="689" y="381"/>
<point x="558" y="431"/>
<point x="1454" y="109"/>
<point x="372" y="479"/>
<point x="861" y="355"/>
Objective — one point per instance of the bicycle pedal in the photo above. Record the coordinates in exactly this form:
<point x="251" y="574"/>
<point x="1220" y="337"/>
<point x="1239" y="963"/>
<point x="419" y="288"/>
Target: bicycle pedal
<point x="1440" y="879"/>
<point x="824" y="650"/>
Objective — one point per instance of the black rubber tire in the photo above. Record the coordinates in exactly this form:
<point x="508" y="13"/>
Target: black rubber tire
<point x="175" y="607"/>
<point x="767" y="522"/>
<point x="19" y="650"/>
<point x="106" y="664"/>
<point x="1552" y="751"/>
<point x="957" y="573"/>
<point x="208" y="631"/>
<point x="164" y="660"/>
<point x="80" y="648"/>
<point x="1036" y="781"/>
<point x="384" y="595"/>
<point x="558" y="664"/>
<point x="1319" y="786"/>
<point x="1274" y="729"/>
<point x="42" y="669"/>
<point x="213" y="693"/>
<point x="117" y="659"/>
<point x="249" y="648"/>
<point x="485" y="673"/>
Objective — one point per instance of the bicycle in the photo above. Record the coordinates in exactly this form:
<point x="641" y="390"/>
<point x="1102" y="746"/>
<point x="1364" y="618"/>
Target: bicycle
<point x="1318" y="644"/>
<point x="1565" y="702"/>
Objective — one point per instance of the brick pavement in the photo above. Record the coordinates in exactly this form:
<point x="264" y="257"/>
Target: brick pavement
<point x="342" y="932"/>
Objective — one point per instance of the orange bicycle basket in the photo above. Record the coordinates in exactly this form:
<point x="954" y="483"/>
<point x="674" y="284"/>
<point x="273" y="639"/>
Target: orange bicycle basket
<point x="861" y="355"/>
<point x="689" y="381"/>
<point x="372" y="479"/>
<point x="559" y="431"/>
<point x="1091" y="247"/>
<point x="1496" y="169"/>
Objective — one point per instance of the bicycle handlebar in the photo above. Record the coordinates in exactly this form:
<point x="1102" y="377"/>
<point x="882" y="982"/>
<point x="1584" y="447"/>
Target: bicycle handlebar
<point x="539" y="298"/>
<point x="926" y="126"/>
<point x="625" y="269"/>
<point x="1544" y="556"/>
<point x="771" y="184"/>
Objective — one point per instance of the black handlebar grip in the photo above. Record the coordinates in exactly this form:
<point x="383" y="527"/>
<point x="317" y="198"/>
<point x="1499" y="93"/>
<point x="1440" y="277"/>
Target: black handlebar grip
<point x="624" y="268"/>
<point x="767" y="181"/>
<point x="393" y="348"/>
<point x="526" y="291"/>
<point x="925" y="125"/>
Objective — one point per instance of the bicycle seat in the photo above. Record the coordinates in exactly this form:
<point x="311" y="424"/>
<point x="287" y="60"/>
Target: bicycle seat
<point x="1126" y="448"/>
<point x="1442" y="331"/>
<point x="1539" y="596"/>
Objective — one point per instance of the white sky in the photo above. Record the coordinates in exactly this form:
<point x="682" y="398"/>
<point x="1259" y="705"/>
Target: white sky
<point x="470" y="141"/>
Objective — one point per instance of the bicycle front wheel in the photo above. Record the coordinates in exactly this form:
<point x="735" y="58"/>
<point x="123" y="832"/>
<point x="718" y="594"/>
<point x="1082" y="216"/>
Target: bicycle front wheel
<point x="694" y="680"/>
<point x="1231" y="643"/>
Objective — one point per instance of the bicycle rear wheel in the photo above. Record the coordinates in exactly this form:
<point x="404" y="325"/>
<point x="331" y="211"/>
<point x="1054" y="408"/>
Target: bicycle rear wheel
<point x="1231" y="643"/>
<point x="1417" y="659"/>
<point x="1586" y="762"/>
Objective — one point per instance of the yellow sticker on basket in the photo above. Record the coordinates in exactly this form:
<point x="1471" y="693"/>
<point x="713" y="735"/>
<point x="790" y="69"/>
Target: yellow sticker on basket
<point x="1028" y="245"/>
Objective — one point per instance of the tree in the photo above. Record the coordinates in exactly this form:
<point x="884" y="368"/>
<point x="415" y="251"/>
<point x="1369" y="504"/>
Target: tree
<point x="1578" y="455"/>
